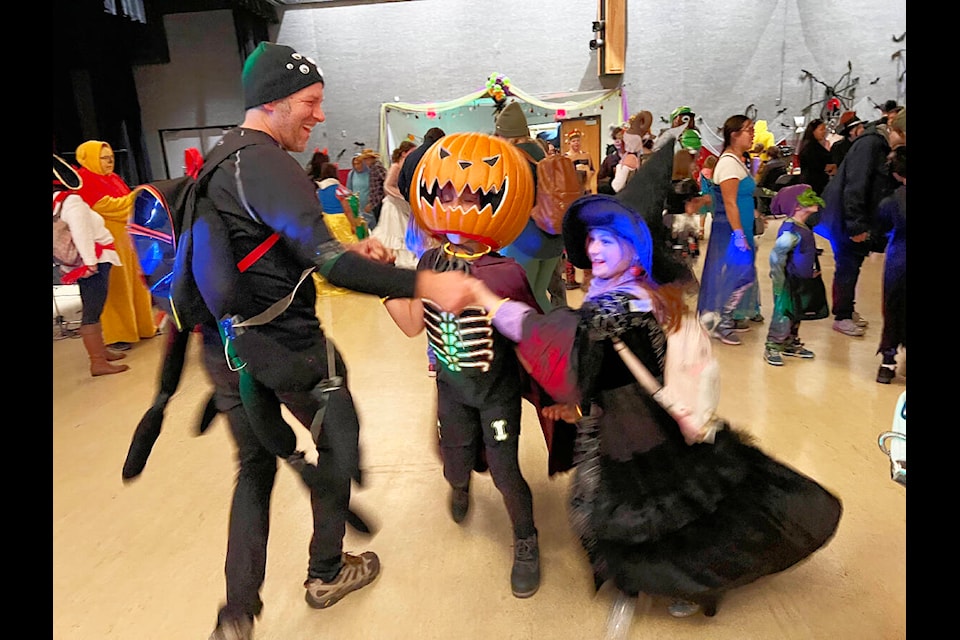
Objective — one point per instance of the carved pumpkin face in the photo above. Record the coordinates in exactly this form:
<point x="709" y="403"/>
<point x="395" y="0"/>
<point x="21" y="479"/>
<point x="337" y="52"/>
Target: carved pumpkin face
<point x="473" y="185"/>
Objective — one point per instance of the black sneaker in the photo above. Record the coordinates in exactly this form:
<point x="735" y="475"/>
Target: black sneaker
<point x="772" y="356"/>
<point x="459" y="504"/>
<point x="886" y="373"/>
<point x="797" y="350"/>
<point x="525" y="575"/>
<point x="356" y="572"/>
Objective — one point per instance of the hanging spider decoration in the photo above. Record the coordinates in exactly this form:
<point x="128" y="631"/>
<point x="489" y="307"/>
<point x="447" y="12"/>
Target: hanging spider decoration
<point x="837" y="97"/>
<point x="900" y="55"/>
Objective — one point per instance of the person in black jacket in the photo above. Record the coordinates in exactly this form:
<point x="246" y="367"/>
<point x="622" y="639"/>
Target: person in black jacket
<point x="816" y="165"/>
<point x="851" y="129"/>
<point x="862" y="181"/>
<point x="277" y="235"/>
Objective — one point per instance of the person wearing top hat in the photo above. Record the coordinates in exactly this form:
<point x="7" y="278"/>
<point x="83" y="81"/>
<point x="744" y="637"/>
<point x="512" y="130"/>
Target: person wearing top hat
<point x="851" y="127"/>
<point x="261" y="192"/>
<point x="888" y="111"/>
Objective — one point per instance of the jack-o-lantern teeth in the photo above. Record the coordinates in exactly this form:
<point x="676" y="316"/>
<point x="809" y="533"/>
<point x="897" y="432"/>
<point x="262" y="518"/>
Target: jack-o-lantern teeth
<point x="473" y="184"/>
<point x="492" y="198"/>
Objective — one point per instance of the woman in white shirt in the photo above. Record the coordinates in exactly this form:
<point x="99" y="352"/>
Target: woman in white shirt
<point x="728" y="267"/>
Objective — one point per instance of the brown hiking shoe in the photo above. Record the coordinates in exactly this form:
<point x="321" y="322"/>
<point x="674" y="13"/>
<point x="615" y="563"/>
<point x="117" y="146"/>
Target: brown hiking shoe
<point x="234" y="629"/>
<point x="356" y="572"/>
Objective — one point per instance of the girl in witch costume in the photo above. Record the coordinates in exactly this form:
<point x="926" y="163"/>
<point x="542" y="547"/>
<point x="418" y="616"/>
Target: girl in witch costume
<point x="657" y="512"/>
<point x="473" y="190"/>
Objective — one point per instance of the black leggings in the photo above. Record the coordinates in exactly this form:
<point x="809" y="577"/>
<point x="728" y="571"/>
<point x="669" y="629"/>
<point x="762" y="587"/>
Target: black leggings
<point x="496" y="428"/>
<point x="93" y="293"/>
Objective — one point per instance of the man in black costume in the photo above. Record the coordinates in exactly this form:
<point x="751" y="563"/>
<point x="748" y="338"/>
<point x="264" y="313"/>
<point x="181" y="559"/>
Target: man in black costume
<point x="277" y="236"/>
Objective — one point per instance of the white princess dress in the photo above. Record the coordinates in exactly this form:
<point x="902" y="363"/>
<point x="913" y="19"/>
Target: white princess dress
<point x="391" y="230"/>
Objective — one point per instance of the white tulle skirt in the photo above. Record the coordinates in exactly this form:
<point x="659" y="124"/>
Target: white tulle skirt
<point x="391" y="230"/>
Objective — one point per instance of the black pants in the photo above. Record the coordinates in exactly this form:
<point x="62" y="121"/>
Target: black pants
<point x="249" y="526"/>
<point x="848" y="257"/>
<point x="93" y="294"/>
<point x="496" y="428"/>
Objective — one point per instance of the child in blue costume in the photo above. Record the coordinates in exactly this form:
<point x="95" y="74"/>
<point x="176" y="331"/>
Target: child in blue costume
<point x="793" y="264"/>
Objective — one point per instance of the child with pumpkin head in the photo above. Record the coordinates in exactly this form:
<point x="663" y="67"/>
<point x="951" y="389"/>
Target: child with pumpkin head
<point x="473" y="192"/>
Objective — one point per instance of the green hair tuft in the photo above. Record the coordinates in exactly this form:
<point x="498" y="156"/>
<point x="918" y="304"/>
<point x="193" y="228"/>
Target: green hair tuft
<point x="809" y="198"/>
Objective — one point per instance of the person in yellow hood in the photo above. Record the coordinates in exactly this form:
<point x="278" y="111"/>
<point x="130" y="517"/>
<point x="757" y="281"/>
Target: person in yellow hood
<point x="128" y="315"/>
<point x="762" y="140"/>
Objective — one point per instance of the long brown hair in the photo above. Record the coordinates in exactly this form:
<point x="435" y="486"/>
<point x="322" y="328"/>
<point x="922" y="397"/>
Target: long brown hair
<point x="808" y="136"/>
<point x="669" y="303"/>
<point x="405" y="146"/>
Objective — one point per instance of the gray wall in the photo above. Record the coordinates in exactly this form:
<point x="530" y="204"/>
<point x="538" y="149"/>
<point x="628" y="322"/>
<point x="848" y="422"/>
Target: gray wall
<point x="718" y="56"/>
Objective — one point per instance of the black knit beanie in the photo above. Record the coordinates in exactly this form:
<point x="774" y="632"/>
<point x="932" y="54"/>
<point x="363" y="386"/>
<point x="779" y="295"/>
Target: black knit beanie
<point x="275" y="71"/>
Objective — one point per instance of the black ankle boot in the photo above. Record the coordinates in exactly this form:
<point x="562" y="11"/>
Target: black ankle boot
<point x="525" y="576"/>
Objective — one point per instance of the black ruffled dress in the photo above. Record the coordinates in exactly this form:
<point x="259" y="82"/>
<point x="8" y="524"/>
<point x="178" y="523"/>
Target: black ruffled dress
<point x="654" y="514"/>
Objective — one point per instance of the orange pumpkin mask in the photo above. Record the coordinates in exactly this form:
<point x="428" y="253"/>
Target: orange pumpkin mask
<point x="473" y="185"/>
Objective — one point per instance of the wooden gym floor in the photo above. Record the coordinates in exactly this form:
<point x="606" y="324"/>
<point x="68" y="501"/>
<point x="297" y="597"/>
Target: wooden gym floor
<point x="144" y="561"/>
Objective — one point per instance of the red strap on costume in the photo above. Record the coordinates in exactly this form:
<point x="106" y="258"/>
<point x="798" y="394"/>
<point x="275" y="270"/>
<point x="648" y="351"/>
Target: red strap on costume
<point x="60" y="197"/>
<point x="258" y="252"/>
<point x="72" y="276"/>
